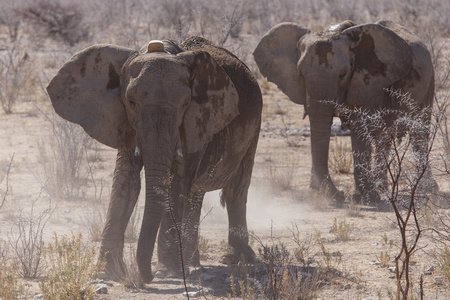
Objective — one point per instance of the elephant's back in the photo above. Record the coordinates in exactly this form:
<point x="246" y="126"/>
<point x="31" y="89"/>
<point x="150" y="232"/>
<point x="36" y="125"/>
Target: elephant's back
<point x="419" y="81"/>
<point x="250" y="98"/>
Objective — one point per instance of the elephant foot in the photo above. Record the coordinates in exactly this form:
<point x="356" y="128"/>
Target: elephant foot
<point x="164" y="271"/>
<point x="331" y="192"/>
<point x="373" y="198"/>
<point x="428" y="185"/>
<point x="115" y="268"/>
<point x="234" y="257"/>
<point x="195" y="259"/>
<point x="339" y="197"/>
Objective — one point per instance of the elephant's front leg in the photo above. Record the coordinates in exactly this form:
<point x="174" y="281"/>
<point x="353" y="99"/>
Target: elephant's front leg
<point x="421" y="150"/>
<point x="383" y="146"/>
<point x="125" y="192"/>
<point x="170" y="232"/>
<point x="363" y="173"/>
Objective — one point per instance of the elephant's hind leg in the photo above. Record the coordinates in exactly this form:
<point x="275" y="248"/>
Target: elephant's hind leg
<point x="234" y="195"/>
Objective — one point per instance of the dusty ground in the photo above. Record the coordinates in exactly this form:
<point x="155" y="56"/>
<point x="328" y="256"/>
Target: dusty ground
<point x="273" y="212"/>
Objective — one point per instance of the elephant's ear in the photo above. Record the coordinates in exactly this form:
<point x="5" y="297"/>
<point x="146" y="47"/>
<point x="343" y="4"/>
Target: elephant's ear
<point x="214" y="102"/>
<point x="276" y="56"/>
<point x="381" y="58"/>
<point x="86" y="91"/>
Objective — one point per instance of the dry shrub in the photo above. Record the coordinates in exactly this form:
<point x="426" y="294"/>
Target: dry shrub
<point x="5" y="165"/>
<point x="27" y="241"/>
<point x="133" y="279"/>
<point x="61" y="22"/>
<point x="445" y="262"/>
<point x="354" y="210"/>
<point x="240" y="281"/>
<point x="281" y="178"/>
<point x="327" y="262"/>
<point x="95" y="219"/>
<point x="71" y="269"/>
<point x="203" y="247"/>
<point x="63" y="159"/>
<point x="282" y="273"/>
<point x="16" y="72"/>
<point x="316" y="199"/>
<point x="406" y="163"/>
<point x="340" y="160"/>
<point x="385" y="256"/>
<point x="10" y="287"/>
<point x="341" y="230"/>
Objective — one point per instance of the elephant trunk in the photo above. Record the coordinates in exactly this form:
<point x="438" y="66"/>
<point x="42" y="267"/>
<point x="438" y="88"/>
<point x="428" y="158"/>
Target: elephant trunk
<point x="321" y="117"/>
<point x="158" y="149"/>
<point x="156" y="197"/>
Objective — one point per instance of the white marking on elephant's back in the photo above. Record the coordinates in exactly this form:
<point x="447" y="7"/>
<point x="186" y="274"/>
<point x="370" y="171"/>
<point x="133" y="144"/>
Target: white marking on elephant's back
<point x="333" y="27"/>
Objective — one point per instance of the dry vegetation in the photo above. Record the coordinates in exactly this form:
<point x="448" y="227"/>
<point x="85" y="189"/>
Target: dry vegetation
<point x="55" y="180"/>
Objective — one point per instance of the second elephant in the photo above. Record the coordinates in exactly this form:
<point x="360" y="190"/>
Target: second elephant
<point x="347" y="66"/>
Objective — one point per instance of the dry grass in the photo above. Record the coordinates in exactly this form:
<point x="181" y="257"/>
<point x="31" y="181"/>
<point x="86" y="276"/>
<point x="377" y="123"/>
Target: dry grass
<point x="445" y="262"/>
<point x="281" y="178"/>
<point x="132" y="278"/>
<point x="63" y="157"/>
<point x="316" y="200"/>
<point x="340" y="160"/>
<point x="203" y="247"/>
<point x="71" y="269"/>
<point x="10" y="287"/>
<point x="341" y="230"/>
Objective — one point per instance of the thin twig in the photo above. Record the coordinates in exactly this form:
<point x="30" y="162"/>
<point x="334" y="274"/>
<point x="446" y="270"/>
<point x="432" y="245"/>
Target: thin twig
<point x="7" y="181"/>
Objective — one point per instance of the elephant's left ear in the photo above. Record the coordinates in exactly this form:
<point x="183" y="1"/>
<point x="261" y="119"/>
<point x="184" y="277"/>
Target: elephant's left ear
<point x="214" y="102"/>
<point x="381" y="58"/>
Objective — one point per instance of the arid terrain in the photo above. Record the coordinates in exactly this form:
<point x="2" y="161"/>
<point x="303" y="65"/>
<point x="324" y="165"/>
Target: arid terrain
<point x="350" y="250"/>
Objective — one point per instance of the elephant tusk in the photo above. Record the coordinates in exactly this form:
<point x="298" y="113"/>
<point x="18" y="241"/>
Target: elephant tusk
<point x="180" y="153"/>
<point x="137" y="151"/>
<point x="305" y="113"/>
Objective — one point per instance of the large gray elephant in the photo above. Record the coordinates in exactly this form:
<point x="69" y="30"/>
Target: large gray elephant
<point x="347" y="66"/>
<point x="190" y="115"/>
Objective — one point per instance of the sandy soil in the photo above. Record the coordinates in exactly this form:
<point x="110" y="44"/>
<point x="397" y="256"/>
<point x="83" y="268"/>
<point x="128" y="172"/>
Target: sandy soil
<point x="273" y="213"/>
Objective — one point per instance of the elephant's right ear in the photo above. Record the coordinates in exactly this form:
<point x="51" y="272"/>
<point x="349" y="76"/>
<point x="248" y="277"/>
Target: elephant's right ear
<point x="86" y="91"/>
<point x="381" y="58"/>
<point x="276" y="56"/>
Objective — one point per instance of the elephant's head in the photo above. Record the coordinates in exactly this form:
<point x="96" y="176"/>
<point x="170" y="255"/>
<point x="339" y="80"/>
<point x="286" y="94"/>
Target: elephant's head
<point x="347" y="64"/>
<point x="170" y="103"/>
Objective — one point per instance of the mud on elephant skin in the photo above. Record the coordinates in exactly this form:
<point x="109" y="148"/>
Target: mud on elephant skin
<point x="190" y="114"/>
<point x="350" y="67"/>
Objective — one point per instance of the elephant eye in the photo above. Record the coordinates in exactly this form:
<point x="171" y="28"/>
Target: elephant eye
<point x="342" y="75"/>
<point x="132" y="104"/>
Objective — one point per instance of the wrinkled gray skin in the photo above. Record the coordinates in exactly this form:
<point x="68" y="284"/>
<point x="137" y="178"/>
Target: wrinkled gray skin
<point x="346" y="66"/>
<point x="192" y="116"/>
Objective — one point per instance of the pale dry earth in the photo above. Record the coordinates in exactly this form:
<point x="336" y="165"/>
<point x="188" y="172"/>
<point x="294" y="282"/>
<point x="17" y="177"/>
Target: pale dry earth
<point x="273" y="213"/>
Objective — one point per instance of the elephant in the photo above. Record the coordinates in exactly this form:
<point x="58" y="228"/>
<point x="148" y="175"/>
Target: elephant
<point x="190" y="115"/>
<point x="348" y="67"/>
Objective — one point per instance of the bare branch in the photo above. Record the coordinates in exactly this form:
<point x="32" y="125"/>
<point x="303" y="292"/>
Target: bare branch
<point x="7" y="182"/>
